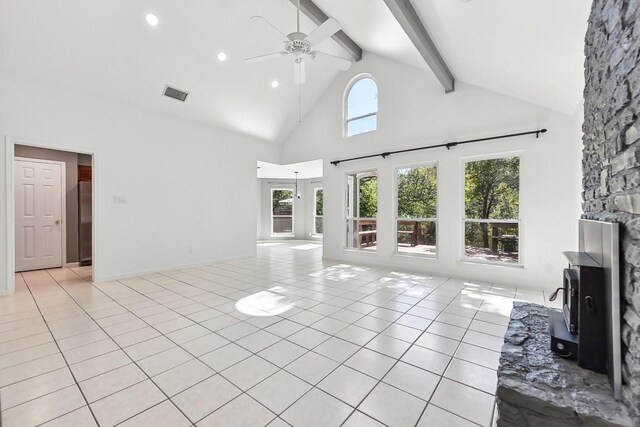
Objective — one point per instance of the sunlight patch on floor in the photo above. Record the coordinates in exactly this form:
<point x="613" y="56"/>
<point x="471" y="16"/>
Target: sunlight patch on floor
<point x="263" y="303"/>
<point x="307" y="247"/>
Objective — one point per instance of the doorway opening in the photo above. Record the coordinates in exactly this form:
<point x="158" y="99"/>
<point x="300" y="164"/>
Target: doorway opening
<point x="51" y="210"/>
<point x="290" y="202"/>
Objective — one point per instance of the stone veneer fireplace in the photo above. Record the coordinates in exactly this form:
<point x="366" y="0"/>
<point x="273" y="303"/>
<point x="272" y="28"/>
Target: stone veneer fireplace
<point x="611" y="157"/>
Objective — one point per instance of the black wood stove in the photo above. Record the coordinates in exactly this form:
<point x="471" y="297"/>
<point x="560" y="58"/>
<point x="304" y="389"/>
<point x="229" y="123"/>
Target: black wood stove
<point x="579" y="331"/>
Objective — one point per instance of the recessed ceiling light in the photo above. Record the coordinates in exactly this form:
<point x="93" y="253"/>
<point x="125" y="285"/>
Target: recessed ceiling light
<point x="151" y="19"/>
<point x="275" y="84"/>
<point x="222" y="56"/>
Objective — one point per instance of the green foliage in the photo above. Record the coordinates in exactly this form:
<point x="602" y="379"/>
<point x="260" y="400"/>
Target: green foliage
<point x="426" y="233"/>
<point x="492" y="188"/>
<point x="492" y="191"/>
<point x="417" y="192"/>
<point x="319" y="202"/>
<point x="368" y="203"/>
<point x="282" y="202"/>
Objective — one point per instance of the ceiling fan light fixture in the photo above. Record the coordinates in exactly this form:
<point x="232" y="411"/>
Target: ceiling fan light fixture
<point x="151" y="19"/>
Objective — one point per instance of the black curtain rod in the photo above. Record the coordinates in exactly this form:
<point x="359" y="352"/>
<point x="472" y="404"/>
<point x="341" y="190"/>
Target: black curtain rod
<point x="448" y="145"/>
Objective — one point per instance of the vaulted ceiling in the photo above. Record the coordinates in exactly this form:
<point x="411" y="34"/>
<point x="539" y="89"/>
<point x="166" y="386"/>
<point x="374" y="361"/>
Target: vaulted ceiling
<point x="528" y="49"/>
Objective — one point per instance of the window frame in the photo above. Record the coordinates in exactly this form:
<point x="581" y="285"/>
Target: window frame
<point x="465" y="220"/>
<point x="293" y="211"/>
<point x="315" y="216"/>
<point x="346" y="218"/>
<point x="395" y="209"/>
<point x="345" y="106"/>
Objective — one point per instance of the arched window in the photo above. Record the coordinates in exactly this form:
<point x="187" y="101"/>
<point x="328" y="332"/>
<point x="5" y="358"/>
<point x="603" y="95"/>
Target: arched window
<point x="361" y="106"/>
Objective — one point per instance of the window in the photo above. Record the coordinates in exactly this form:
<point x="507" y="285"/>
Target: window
<point x="317" y="213"/>
<point x="491" y="206"/>
<point x="416" y="216"/>
<point x="361" y="107"/>
<point x="282" y="212"/>
<point x="362" y="210"/>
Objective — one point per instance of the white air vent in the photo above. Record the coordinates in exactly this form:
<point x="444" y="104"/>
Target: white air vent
<point x="174" y="93"/>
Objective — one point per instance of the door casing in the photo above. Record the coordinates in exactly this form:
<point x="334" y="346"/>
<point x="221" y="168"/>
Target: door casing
<point x="9" y="247"/>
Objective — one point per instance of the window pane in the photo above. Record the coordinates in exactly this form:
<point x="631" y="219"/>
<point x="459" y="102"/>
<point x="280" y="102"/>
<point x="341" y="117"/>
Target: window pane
<point x="417" y="237"/>
<point x="495" y="241"/>
<point x="319" y="202"/>
<point x="362" y="234"/>
<point x="362" y="98"/>
<point x="282" y="225"/>
<point x="362" y="209"/>
<point x="352" y="233"/>
<point x="365" y="124"/>
<point x="492" y="188"/>
<point x="367" y="234"/>
<point x="282" y="202"/>
<point x="319" y="225"/>
<point x="417" y="192"/>
<point x="368" y="202"/>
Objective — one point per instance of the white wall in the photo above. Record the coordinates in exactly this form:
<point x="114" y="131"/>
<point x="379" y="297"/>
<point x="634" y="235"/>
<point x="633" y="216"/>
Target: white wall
<point x="258" y="209"/>
<point x="302" y="208"/>
<point x="414" y="111"/>
<point x="310" y="205"/>
<point x="180" y="179"/>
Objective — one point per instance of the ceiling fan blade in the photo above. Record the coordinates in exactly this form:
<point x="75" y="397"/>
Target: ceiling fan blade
<point x="266" y="23"/>
<point x="265" y="57"/>
<point x="299" y="74"/>
<point x="324" y="31"/>
<point x="343" y="64"/>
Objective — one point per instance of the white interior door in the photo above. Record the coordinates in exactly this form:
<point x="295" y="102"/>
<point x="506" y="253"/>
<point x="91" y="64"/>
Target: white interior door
<point x="39" y="199"/>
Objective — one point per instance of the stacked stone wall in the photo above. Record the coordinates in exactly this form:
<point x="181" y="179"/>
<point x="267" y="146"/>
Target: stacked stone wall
<point x="611" y="156"/>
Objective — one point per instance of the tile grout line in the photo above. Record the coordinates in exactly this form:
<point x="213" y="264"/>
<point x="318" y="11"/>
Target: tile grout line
<point x="363" y="346"/>
<point x="63" y="357"/>
<point x="397" y="360"/>
<point x="450" y="360"/>
<point x="127" y="355"/>
<point x="292" y="361"/>
<point x="312" y="287"/>
<point x="313" y="386"/>
<point x="99" y="327"/>
<point x="308" y="350"/>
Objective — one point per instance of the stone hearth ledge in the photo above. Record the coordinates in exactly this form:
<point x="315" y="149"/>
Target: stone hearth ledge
<point x="536" y="387"/>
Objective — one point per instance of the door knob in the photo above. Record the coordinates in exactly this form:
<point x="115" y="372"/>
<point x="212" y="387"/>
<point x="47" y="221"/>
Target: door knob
<point x="58" y="221"/>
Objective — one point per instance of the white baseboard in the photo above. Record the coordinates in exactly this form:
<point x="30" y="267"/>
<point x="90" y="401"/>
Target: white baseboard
<point x="131" y="274"/>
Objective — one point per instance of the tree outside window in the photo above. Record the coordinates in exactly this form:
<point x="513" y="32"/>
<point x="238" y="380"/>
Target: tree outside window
<point x="417" y="195"/>
<point x="491" y="199"/>
<point x="318" y="211"/>
<point x="281" y="211"/>
<point x="362" y="210"/>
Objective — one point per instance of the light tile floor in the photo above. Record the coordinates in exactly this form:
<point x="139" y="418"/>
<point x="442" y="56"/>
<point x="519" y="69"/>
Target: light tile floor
<point x="281" y="339"/>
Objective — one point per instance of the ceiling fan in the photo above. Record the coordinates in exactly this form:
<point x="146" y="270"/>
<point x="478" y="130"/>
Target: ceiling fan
<point x="300" y="46"/>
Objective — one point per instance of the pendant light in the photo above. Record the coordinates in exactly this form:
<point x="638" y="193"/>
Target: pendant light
<point x="298" y="195"/>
